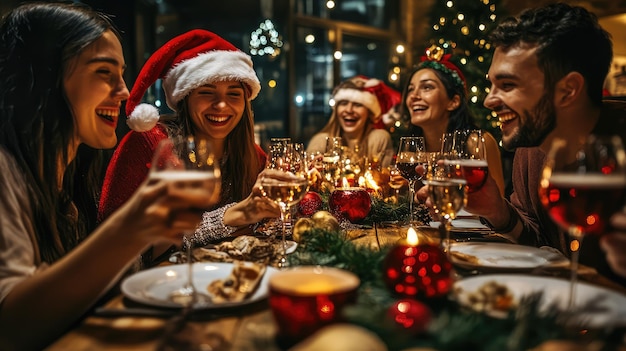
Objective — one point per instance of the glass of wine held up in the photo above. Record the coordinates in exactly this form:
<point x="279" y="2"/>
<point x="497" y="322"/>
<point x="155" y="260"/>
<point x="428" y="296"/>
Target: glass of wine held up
<point x="469" y="145"/>
<point x="287" y="188"/>
<point x="410" y="155"/>
<point x="447" y="189"/>
<point x="189" y="163"/>
<point x="581" y="189"/>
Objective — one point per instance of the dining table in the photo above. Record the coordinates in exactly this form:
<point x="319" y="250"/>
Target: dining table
<point x="120" y="323"/>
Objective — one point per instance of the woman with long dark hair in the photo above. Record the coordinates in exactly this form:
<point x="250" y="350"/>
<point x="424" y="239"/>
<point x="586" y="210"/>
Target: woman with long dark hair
<point x="61" y="68"/>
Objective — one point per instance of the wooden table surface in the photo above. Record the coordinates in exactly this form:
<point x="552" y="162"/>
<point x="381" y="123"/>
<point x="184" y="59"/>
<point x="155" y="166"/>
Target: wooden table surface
<point x="248" y="327"/>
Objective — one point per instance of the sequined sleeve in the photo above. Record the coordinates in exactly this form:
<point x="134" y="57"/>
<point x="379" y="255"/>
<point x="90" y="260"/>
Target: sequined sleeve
<point x="212" y="227"/>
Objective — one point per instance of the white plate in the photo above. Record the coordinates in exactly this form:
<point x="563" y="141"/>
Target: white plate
<point x="611" y="304"/>
<point x="154" y="286"/>
<point x="465" y="224"/>
<point x="503" y="256"/>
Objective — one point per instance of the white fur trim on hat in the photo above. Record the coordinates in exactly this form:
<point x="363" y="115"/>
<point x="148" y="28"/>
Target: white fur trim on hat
<point x="143" y="118"/>
<point x="365" y="98"/>
<point x="212" y="66"/>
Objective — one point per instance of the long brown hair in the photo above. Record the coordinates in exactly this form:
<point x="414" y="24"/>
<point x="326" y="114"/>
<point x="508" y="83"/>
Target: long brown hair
<point x="243" y="164"/>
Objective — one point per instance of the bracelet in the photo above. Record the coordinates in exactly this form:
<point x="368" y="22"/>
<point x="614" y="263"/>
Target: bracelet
<point x="513" y="220"/>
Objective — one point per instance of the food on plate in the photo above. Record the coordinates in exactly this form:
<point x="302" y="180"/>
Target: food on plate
<point x="243" y="248"/>
<point x="490" y="297"/>
<point x="460" y="256"/>
<point x="239" y="284"/>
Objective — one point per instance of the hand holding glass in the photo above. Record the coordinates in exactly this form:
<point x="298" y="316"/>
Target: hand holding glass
<point x="287" y="189"/>
<point x="189" y="163"/>
<point x="582" y="189"/>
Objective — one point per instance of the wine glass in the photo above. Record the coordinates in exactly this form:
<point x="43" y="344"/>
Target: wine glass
<point x="288" y="190"/>
<point x="582" y="188"/>
<point x="331" y="160"/>
<point x="410" y="155"/>
<point x="447" y="189"/>
<point x="396" y="181"/>
<point x="188" y="162"/>
<point x="469" y="145"/>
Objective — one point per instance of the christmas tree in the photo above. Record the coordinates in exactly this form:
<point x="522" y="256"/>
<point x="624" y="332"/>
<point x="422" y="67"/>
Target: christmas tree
<point x="461" y="27"/>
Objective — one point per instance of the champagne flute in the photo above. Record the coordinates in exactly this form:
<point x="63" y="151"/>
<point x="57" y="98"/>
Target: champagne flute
<point x="447" y="190"/>
<point x="410" y="155"/>
<point x="288" y="190"/>
<point x="330" y="162"/>
<point x="469" y="145"/>
<point x="190" y="163"/>
<point x="582" y="188"/>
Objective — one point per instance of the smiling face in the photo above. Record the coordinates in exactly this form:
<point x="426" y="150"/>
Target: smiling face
<point x="519" y="97"/>
<point x="216" y="108"/>
<point x="352" y="117"/>
<point x="427" y="101"/>
<point x="95" y="89"/>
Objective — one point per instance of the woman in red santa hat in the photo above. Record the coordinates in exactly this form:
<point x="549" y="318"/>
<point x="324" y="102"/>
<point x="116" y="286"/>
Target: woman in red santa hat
<point x="359" y="104"/>
<point x="209" y="84"/>
<point x="435" y="102"/>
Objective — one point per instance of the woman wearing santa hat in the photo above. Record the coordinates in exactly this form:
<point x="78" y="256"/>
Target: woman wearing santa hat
<point x="359" y="104"/>
<point x="209" y="84"/>
<point x="435" y="102"/>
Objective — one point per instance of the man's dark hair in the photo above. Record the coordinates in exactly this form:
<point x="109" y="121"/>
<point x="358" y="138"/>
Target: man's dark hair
<point x="569" y="39"/>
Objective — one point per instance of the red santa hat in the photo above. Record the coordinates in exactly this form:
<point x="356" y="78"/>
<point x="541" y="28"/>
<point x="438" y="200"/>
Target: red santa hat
<point x="188" y="61"/>
<point x="372" y="93"/>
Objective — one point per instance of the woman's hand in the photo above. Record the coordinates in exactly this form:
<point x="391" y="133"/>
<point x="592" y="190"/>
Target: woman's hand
<point x="163" y="210"/>
<point x="256" y="206"/>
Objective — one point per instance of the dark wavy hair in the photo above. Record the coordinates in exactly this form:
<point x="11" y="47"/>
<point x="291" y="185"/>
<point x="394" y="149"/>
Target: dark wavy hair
<point x="569" y="39"/>
<point x="37" y="43"/>
<point x="460" y="118"/>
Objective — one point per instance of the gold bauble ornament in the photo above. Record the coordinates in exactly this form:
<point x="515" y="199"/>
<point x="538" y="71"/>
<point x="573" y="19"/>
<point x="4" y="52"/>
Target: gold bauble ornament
<point x="325" y="220"/>
<point x="301" y="226"/>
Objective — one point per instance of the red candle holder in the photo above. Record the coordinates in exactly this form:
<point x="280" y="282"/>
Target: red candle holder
<point x="417" y="270"/>
<point x="351" y="203"/>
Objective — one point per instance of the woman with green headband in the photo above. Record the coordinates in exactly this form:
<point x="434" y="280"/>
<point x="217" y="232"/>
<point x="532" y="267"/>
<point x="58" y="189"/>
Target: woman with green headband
<point x="435" y="101"/>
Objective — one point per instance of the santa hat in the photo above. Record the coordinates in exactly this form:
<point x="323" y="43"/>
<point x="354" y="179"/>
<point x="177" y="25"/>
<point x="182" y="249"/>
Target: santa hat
<point x="185" y="63"/>
<point x="372" y="93"/>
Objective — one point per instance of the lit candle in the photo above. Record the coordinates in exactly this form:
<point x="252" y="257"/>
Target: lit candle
<point x="417" y="270"/>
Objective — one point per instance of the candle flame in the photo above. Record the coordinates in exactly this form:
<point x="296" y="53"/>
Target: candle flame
<point x="411" y="237"/>
<point x="367" y="181"/>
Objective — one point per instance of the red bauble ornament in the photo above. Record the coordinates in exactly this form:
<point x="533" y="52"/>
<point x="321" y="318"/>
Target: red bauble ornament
<point x="353" y="204"/>
<point x="417" y="271"/>
<point x="310" y="203"/>
<point x="410" y="315"/>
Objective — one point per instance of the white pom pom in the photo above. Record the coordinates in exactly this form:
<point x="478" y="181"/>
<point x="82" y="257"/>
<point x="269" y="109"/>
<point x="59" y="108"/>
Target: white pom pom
<point x="143" y="118"/>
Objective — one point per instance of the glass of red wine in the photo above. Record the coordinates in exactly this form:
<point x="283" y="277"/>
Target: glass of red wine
<point x="410" y="155"/>
<point x="581" y="188"/>
<point x="471" y="156"/>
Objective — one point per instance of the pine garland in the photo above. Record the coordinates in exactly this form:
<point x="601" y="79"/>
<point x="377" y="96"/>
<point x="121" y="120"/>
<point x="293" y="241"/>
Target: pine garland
<point x="453" y="327"/>
<point x="383" y="212"/>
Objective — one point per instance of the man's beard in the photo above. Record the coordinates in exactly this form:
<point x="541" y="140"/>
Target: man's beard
<point x="533" y="131"/>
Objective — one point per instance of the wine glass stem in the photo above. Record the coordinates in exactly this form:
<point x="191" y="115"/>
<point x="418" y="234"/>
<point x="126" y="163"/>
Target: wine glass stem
<point x="444" y="235"/>
<point x="189" y="285"/>
<point x="284" y="217"/>
<point x="576" y="240"/>
<point x="411" y="199"/>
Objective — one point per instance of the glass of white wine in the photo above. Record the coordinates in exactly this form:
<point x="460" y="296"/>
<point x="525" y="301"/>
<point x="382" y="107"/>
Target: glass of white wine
<point x="447" y="190"/>
<point x="286" y="190"/>
<point x="188" y="163"/>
